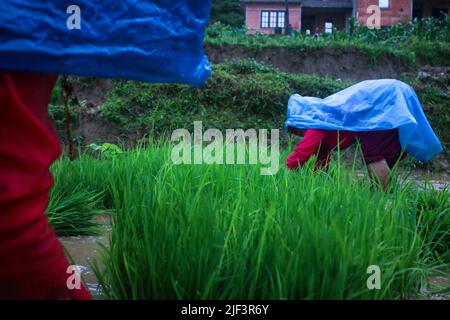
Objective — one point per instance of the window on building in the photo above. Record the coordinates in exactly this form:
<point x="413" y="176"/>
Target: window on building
<point x="265" y="19"/>
<point x="384" y="4"/>
<point x="273" y="19"/>
<point x="328" y="27"/>
<point x="281" y="19"/>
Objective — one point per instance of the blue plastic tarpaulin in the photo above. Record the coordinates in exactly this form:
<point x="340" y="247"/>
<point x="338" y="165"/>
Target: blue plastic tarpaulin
<point x="154" y="41"/>
<point x="370" y="106"/>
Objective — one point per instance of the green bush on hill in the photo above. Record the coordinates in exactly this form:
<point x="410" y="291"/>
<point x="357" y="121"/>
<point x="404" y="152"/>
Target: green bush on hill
<point x="240" y="94"/>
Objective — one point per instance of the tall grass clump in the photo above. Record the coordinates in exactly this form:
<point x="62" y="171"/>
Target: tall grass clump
<point x="434" y="221"/>
<point x="227" y="232"/>
<point x="75" y="214"/>
<point x="73" y="209"/>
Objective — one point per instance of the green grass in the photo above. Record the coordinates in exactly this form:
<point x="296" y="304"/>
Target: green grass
<point x="226" y="232"/>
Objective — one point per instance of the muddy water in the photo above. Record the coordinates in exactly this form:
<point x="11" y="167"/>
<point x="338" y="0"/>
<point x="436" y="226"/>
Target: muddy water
<point x="85" y="252"/>
<point x="437" y="184"/>
<point x="436" y="283"/>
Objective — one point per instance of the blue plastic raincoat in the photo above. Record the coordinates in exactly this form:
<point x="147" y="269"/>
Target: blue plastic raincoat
<point x="154" y="41"/>
<point x="370" y="106"/>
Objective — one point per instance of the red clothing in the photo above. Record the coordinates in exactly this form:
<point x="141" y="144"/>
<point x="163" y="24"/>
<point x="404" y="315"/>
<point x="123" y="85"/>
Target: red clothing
<point x="381" y="145"/>
<point x="375" y="146"/>
<point x="319" y="142"/>
<point x="32" y="260"/>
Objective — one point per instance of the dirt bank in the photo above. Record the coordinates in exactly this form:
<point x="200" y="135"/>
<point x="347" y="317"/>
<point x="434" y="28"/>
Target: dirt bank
<point x="346" y="64"/>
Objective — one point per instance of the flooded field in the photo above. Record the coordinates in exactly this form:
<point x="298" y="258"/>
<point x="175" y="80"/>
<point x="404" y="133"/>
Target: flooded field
<point x="85" y="251"/>
<point x="435" y="284"/>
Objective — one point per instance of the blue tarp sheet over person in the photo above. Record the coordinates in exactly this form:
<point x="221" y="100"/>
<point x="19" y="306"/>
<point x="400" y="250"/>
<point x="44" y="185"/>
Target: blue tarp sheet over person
<point x="370" y="106"/>
<point x="154" y="41"/>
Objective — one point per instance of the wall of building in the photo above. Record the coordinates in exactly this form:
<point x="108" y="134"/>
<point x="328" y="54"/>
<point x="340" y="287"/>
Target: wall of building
<point x="399" y="11"/>
<point x="332" y="2"/>
<point x="253" y="16"/>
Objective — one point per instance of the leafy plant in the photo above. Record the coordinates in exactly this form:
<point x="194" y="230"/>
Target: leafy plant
<point x="107" y="150"/>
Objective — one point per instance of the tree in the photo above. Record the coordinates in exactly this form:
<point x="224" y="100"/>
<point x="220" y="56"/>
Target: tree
<point x="229" y="12"/>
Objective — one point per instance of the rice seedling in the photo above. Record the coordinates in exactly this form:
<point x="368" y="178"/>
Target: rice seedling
<point x="226" y="232"/>
<point x="75" y="213"/>
<point x="434" y="221"/>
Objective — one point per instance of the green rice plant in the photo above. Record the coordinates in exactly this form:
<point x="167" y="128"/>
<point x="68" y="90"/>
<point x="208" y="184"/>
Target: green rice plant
<point x="433" y="208"/>
<point x="226" y="232"/>
<point x="74" y="213"/>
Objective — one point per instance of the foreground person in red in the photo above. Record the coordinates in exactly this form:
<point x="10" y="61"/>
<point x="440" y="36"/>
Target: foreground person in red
<point x="381" y="149"/>
<point x="32" y="260"/>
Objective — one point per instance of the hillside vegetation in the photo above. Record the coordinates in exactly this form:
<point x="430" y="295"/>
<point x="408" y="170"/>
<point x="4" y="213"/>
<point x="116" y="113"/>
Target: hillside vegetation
<point x="240" y="94"/>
